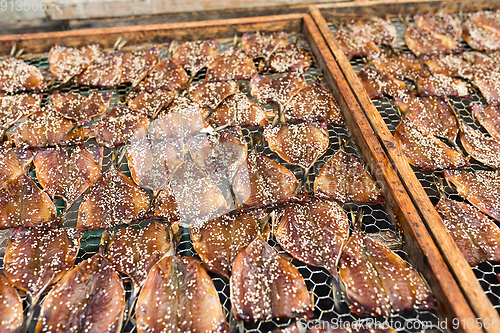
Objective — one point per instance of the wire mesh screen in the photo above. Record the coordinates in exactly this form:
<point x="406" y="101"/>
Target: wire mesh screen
<point x="377" y="221"/>
<point x="485" y="272"/>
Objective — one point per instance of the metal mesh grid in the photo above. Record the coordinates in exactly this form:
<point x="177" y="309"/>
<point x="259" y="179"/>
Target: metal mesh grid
<point x="376" y="219"/>
<point x="486" y="273"/>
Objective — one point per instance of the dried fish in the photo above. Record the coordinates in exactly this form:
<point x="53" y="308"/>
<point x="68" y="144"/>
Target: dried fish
<point x="343" y="178"/>
<point x="269" y="89"/>
<point x="486" y="18"/>
<point x="378" y="85"/>
<point x="221" y="239"/>
<point x="313" y="103"/>
<point x="14" y="108"/>
<point x="211" y="94"/>
<point x="13" y="161"/>
<point x="477" y="237"/>
<point x="17" y="76"/>
<point x="354" y="45"/>
<point x="488" y="82"/>
<point x="23" y="204"/>
<point x="11" y="308"/>
<point x="423" y="41"/>
<point x="89" y="298"/>
<point x="266" y="286"/>
<point x="481" y="188"/>
<point x="151" y="103"/>
<point x="67" y="173"/>
<point x="136" y="65"/>
<point x="166" y="206"/>
<point x="179" y="296"/>
<point x="121" y="125"/>
<point x="291" y="58"/>
<point x="104" y="72"/>
<point x="445" y="24"/>
<point x="397" y="65"/>
<point x="489" y="117"/>
<point x="481" y="38"/>
<point x="377" y="29"/>
<point x="67" y="62"/>
<point x="262" y="44"/>
<point x="166" y="75"/>
<point x="80" y="108"/>
<point x="449" y="65"/>
<point x="193" y="56"/>
<point x="482" y="148"/>
<point x="238" y="110"/>
<point x="425" y="151"/>
<point x="434" y="84"/>
<point x="113" y="200"/>
<point x="37" y="258"/>
<point x="233" y="64"/>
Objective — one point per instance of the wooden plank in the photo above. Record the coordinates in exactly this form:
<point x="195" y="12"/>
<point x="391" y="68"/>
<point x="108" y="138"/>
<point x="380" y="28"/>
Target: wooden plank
<point x="456" y="262"/>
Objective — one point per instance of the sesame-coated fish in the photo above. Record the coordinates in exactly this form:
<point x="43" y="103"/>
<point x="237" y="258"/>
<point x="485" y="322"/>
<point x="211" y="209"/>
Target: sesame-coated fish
<point x="136" y="65"/>
<point x="233" y="64"/>
<point x="104" y="72"/>
<point x="11" y="308"/>
<point x="67" y="62"/>
<point x="262" y="44"/>
<point x="166" y="75"/>
<point x="17" y="76"/>
<point x="291" y="58"/>
<point x="80" y="108"/>
<point x="194" y="56"/>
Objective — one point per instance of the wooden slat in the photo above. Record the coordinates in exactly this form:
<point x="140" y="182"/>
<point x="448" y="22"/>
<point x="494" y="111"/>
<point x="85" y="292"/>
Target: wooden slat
<point x="472" y="290"/>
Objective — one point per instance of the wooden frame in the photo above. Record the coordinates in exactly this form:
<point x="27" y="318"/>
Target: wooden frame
<point x="423" y="253"/>
<point x="465" y="277"/>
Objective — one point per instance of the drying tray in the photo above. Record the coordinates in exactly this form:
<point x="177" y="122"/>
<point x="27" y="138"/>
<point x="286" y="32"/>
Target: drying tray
<point x="395" y="222"/>
<point x="479" y="284"/>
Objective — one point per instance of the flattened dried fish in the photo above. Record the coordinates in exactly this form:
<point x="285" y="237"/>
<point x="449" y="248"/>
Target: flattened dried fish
<point x="291" y="58"/>
<point x="449" y="65"/>
<point x="182" y="118"/>
<point x="481" y="188"/>
<point x="354" y="45"/>
<point x="67" y="62"/>
<point x="488" y="83"/>
<point x="261" y="182"/>
<point x="47" y="128"/>
<point x="378" y="282"/>
<point x="313" y="103"/>
<point x="238" y="110"/>
<point x="136" y="65"/>
<point x="121" y="125"/>
<point x="90" y="298"/>
<point x="211" y="94"/>
<point x="269" y="89"/>
<point x="67" y="173"/>
<point x="343" y="178"/>
<point x="134" y="251"/>
<point x="477" y="237"/>
<point x="38" y="258"/>
<point x="179" y="296"/>
<point x="233" y="64"/>
<point x="104" y="72"/>
<point x="113" y="200"/>
<point x="17" y="76"/>
<point x="445" y="24"/>
<point x="422" y="41"/>
<point x="481" y="38"/>
<point x="166" y="206"/>
<point x="299" y="144"/>
<point x="81" y="108"/>
<point x="262" y="44"/>
<point x="11" y="308"/>
<point x="482" y="148"/>
<point x="266" y="286"/>
<point x="23" y="204"/>
<point x="166" y="75"/>
<point x="425" y="151"/>
<point x="314" y="232"/>
<point x="434" y="84"/>
<point x="400" y="65"/>
<point x="378" y="85"/>
<point x="377" y="29"/>
<point x="13" y="161"/>
<point x="151" y="103"/>
<point x="221" y="239"/>
<point x="193" y="56"/>
<point x="489" y="117"/>
<point x="14" y="108"/>
<point x="486" y="18"/>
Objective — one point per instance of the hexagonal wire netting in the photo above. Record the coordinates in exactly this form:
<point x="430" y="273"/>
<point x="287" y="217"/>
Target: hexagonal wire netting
<point x="485" y="272"/>
<point x="377" y="222"/>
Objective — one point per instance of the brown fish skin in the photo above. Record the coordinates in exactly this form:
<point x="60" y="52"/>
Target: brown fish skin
<point x="313" y="103"/>
<point x="233" y="64"/>
<point x="262" y="44"/>
<point x="291" y="58"/>
<point x="13" y="162"/>
<point x="166" y="206"/>
<point x="17" y="76"/>
<point x="378" y="85"/>
<point x="136" y="65"/>
<point x="24" y="204"/>
<point x="425" y="151"/>
<point x="66" y="62"/>
<point x="179" y="296"/>
<point x="166" y="75"/>
<point x="481" y="188"/>
<point x="193" y="56"/>
<point x="399" y="65"/>
<point x="151" y="103"/>
<point x="486" y="18"/>
<point x="449" y="65"/>
<point x="343" y="178"/>
<point x="121" y="125"/>
<point x="211" y="94"/>
<point x="79" y="108"/>
<point x="376" y="29"/>
<point x="89" y="298"/>
<point x="261" y="182"/>
<point x="422" y="41"/>
<point x="134" y="251"/>
<point x="448" y="25"/>
<point x="488" y="82"/>
<point x="481" y="38"/>
<point x="354" y="45"/>
<point x="14" y="108"/>
<point x="266" y="286"/>
<point x="38" y="258"/>
<point x="238" y="110"/>
<point x="434" y="84"/>
<point x="114" y="199"/>
<point x="477" y="237"/>
<point x="489" y="117"/>
<point x="11" y="308"/>
<point x="268" y="89"/>
<point x="314" y="232"/>
<point x="47" y="129"/>
<point x="104" y="72"/>
<point x="299" y="144"/>
<point x="221" y="239"/>
<point x="482" y="148"/>
<point x="67" y="173"/>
